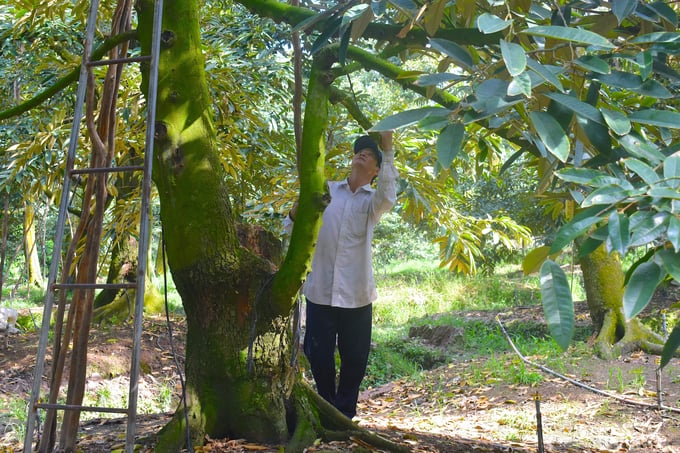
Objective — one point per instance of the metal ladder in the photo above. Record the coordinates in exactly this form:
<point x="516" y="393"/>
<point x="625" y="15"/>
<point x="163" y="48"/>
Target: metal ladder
<point x="143" y="243"/>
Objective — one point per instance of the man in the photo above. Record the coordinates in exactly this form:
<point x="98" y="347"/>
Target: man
<point x="340" y="288"/>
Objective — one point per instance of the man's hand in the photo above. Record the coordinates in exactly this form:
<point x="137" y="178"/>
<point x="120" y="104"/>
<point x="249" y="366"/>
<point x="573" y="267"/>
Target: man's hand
<point x="386" y="140"/>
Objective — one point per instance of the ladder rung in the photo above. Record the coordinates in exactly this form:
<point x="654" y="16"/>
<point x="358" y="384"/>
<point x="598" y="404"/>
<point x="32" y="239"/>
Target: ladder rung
<point x="107" y="169"/>
<point x="94" y="285"/>
<point x="73" y="407"/>
<point x="119" y="60"/>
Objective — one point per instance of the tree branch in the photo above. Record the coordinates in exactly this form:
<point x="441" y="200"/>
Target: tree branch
<point x="312" y="186"/>
<point x="292" y="15"/>
<point x="66" y="80"/>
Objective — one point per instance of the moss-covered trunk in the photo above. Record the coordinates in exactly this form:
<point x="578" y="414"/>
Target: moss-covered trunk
<point x="603" y="280"/>
<point x="240" y="382"/>
<point x="34" y="273"/>
<point x="236" y="380"/>
<point x="118" y="304"/>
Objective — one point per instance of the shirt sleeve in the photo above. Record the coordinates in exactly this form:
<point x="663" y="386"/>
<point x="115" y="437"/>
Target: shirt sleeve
<point x="386" y="191"/>
<point x="288" y="225"/>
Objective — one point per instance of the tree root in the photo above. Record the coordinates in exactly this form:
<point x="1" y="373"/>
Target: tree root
<point x="121" y="308"/>
<point x="616" y="338"/>
<point x="318" y="418"/>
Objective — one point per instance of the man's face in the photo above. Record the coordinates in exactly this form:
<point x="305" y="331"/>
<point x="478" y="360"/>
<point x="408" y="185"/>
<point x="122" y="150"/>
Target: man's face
<point x="367" y="160"/>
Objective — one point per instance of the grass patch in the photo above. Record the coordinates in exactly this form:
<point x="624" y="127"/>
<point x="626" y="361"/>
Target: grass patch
<point x="419" y="293"/>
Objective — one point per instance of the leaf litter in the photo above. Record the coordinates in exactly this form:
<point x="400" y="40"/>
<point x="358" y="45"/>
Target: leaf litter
<point x="452" y="408"/>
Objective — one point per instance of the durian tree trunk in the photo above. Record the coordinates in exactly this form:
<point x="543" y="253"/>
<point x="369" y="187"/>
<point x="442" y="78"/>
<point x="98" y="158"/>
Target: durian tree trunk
<point x="117" y="305"/>
<point x="114" y="304"/>
<point x="237" y="368"/>
<point x="33" y="270"/>
<point x="603" y="280"/>
<point x="240" y="379"/>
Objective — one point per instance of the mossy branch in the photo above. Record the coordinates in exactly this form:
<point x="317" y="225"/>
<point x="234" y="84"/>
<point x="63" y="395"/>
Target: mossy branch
<point x="312" y="199"/>
<point x="349" y="102"/>
<point x="66" y="80"/>
<point x="393" y="72"/>
<point x="294" y="15"/>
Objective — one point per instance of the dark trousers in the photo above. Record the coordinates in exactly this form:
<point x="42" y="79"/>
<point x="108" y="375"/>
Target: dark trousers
<point x="350" y="329"/>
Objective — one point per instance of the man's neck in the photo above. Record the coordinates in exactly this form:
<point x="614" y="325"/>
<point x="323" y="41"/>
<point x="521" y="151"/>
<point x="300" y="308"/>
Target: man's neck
<point x="355" y="181"/>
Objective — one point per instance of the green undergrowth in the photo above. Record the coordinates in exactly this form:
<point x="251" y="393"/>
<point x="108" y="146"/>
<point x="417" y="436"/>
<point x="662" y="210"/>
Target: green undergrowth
<point x="419" y="295"/>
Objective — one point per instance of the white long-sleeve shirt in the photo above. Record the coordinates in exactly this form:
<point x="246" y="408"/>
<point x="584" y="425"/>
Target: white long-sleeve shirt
<point x="342" y="274"/>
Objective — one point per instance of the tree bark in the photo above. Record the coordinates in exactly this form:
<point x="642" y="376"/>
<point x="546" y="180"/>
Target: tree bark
<point x="236" y="378"/>
<point x="33" y="270"/>
<point x="3" y="240"/>
<point x="240" y="380"/>
<point x="603" y="280"/>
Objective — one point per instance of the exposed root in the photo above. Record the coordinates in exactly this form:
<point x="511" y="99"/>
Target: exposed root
<point x="316" y="418"/>
<point x="616" y="338"/>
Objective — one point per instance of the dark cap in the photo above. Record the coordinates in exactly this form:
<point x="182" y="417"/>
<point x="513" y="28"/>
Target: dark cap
<point x="366" y="142"/>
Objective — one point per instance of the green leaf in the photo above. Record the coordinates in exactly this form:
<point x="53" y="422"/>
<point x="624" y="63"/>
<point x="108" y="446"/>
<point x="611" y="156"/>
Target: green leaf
<point x="662" y="118"/>
<point x="585" y="176"/>
<point x="520" y="84"/>
<point x="645" y="61"/>
<point x="571" y="231"/>
<point x="598" y="135"/>
<point x="454" y="51"/>
<point x="551" y="133"/>
<point x="488" y="23"/>
<point x="649" y="229"/>
<point x="491" y="99"/>
<point x="657" y="37"/>
<point x="582" y="109"/>
<point x="634" y="82"/>
<point x="558" y="306"/>
<point x="353" y="13"/>
<point x="436" y="79"/>
<point x="535" y="259"/>
<point x="617" y="121"/>
<point x="570" y="34"/>
<point x="593" y="63"/>
<point x="670" y="261"/>
<point x="618" y="232"/>
<point x="665" y="11"/>
<point x="662" y="191"/>
<point x="642" y="148"/>
<point x="670" y="347"/>
<point x="548" y="73"/>
<point x="514" y="57"/>
<point x="588" y="246"/>
<point x="433" y="123"/>
<point x="407" y="5"/>
<point x="673" y="232"/>
<point x="671" y="170"/>
<point x="408" y="118"/>
<point x="623" y="8"/>
<point x="345" y="34"/>
<point x="640" y="288"/>
<point x="643" y="170"/>
<point x="606" y="195"/>
<point x="379" y="7"/>
<point x="450" y="143"/>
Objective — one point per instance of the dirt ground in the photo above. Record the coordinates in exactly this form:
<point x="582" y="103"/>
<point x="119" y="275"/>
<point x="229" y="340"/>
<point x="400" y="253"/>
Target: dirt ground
<point x="446" y="410"/>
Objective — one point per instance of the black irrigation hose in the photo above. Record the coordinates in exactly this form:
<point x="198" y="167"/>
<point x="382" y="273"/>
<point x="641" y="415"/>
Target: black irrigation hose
<point x="581" y="384"/>
<point x="172" y="347"/>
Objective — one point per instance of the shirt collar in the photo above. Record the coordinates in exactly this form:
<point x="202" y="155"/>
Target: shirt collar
<point x="366" y="187"/>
